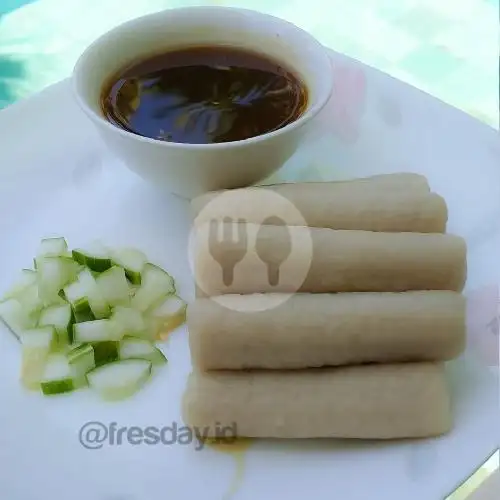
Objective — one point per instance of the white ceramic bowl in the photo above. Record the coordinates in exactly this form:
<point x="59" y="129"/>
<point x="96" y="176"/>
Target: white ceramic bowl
<point x="191" y="169"/>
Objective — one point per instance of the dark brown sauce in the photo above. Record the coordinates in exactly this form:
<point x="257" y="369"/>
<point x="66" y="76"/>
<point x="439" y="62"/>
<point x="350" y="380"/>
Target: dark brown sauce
<point x="204" y="95"/>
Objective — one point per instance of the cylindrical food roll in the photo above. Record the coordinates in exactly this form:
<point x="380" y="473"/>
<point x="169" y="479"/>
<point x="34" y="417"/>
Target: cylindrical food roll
<point x="316" y="330"/>
<point x="404" y="181"/>
<point x="250" y="258"/>
<point x="366" y="402"/>
<point x="390" y="204"/>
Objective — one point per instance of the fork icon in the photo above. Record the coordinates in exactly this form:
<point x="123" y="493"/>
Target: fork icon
<point x="231" y="248"/>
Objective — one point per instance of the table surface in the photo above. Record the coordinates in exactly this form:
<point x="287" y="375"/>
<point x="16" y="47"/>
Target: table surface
<point x="448" y="48"/>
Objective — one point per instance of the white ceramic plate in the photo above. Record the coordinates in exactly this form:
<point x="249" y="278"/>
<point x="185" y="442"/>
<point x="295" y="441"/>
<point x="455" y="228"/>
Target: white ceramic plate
<point x="56" y="178"/>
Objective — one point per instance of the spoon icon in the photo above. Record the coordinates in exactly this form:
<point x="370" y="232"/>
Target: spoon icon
<point x="273" y="262"/>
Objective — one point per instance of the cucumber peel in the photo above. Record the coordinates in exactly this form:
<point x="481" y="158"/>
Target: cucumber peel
<point x="57" y="377"/>
<point x="61" y="318"/>
<point x="81" y="360"/>
<point x="105" y="352"/>
<point x="96" y="258"/>
<point x="97" y="304"/>
<point x="137" y="348"/>
<point x="132" y="261"/>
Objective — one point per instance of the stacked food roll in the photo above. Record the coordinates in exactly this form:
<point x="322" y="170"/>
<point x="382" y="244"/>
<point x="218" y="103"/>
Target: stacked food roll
<point x="353" y="345"/>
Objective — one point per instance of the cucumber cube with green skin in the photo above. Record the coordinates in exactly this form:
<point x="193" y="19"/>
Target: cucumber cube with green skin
<point x="96" y="258"/>
<point x="53" y="247"/>
<point x="61" y="318"/>
<point x="98" y="305"/>
<point x="138" y="348"/>
<point x="121" y="379"/>
<point x="132" y="261"/>
<point x="57" y="378"/>
<point x="54" y="273"/>
<point x="75" y="294"/>
<point x="37" y="344"/>
<point x="167" y="316"/>
<point x="82" y="315"/>
<point x="99" y="330"/>
<point x="84" y="294"/>
<point x="81" y="360"/>
<point x="156" y="285"/>
<point x="113" y="286"/>
<point x="105" y="352"/>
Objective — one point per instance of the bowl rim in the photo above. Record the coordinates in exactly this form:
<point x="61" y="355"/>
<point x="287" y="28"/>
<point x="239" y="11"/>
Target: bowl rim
<point x="310" y="112"/>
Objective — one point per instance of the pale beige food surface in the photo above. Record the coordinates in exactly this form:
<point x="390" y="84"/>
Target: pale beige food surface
<point x="370" y="402"/>
<point x="404" y="180"/>
<point x="339" y="261"/>
<point x="315" y="330"/>
<point x="392" y="203"/>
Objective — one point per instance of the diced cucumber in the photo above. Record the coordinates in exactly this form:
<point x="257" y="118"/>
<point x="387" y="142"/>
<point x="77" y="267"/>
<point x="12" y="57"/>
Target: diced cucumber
<point x="31" y="304"/>
<point x="105" y="352"/>
<point x="54" y="273"/>
<point x="81" y="360"/>
<point x="57" y="377"/>
<point x="27" y="278"/>
<point x="86" y="299"/>
<point x="173" y="305"/>
<point x="83" y="315"/>
<point x="37" y="345"/>
<point x="98" y="330"/>
<point x="96" y="257"/>
<point x="167" y="316"/>
<point x="11" y="313"/>
<point x="36" y="337"/>
<point x="75" y="294"/>
<point x="97" y="303"/>
<point x="136" y="348"/>
<point x="61" y="318"/>
<point x="129" y="320"/>
<point x="120" y="379"/>
<point x="132" y="261"/>
<point x="156" y="285"/>
<point x="53" y="247"/>
<point x="113" y="286"/>
<point x="79" y="351"/>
